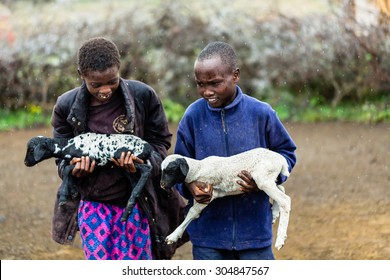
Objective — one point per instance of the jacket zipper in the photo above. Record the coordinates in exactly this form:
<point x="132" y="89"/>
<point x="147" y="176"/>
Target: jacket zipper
<point x="225" y="131"/>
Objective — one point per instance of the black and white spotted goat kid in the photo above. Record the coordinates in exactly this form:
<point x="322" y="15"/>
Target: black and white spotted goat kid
<point x="99" y="147"/>
<point x="221" y="172"/>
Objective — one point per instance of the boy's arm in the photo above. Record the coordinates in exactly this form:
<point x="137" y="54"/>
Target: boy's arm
<point x="281" y="142"/>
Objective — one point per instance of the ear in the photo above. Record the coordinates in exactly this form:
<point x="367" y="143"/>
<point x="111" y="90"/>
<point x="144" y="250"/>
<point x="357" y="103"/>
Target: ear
<point x="39" y="152"/>
<point x="81" y="75"/>
<point x="236" y="75"/>
<point x="184" y="168"/>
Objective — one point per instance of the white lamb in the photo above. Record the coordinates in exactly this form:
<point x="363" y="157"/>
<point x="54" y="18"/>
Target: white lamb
<point x="221" y="172"/>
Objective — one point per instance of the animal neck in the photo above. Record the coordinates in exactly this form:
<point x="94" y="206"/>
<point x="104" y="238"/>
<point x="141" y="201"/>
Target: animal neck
<point x="194" y="169"/>
<point x="58" y="145"/>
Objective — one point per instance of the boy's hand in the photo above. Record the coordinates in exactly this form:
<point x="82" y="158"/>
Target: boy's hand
<point x="247" y="184"/>
<point x="201" y="192"/>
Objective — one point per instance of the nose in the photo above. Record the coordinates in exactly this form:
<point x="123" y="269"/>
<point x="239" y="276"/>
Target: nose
<point x="104" y="90"/>
<point x="208" y="92"/>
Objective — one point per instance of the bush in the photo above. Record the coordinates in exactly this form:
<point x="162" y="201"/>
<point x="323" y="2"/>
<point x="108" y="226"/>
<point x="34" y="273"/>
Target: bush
<point x="324" y="58"/>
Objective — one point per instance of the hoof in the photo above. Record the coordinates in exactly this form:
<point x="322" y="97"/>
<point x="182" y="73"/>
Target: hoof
<point x="278" y="247"/>
<point x="170" y="240"/>
<point x="279" y="244"/>
<point x="124" y="217"/>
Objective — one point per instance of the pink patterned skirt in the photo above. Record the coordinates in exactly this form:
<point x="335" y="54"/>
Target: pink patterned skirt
<point x="105" y="237"/>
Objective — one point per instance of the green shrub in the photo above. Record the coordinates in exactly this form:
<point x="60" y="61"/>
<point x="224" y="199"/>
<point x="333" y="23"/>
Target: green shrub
<point x="294" y="63"/>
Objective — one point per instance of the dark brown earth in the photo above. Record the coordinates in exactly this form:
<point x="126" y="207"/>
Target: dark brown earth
<point x="340" y="191"/>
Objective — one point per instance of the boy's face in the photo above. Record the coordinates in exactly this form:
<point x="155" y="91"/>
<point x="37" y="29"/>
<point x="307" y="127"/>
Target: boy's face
<point x="102" y="85"/>
<point x="216" y="82"/>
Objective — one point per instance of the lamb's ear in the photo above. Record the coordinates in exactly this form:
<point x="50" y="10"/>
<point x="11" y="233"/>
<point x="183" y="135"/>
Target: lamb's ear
<point x="39" y="152"/>
<point x="183" y="166"/>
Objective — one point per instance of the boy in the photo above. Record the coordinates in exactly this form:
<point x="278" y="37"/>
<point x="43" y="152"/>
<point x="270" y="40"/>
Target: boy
<point x="225" y="122"/>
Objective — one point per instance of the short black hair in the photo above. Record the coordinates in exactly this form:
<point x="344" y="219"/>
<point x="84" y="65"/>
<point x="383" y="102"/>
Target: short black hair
<point x="220" y="49"/>
<point x="97" y="54"/>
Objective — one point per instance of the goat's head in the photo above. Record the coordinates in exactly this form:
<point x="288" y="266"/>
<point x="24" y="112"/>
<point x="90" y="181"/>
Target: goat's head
<point x="174" y="170"/>
<point x="38" y="149"/>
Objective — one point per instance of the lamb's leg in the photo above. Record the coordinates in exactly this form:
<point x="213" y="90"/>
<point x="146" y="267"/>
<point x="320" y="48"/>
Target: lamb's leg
<point x="275" y="206"/>
<point x="145" y="171"/>
<point x="284" y="203"/>
<point x="283" y="224"/>
<point x="68" y="189"/>
<point x="192" y="214"/>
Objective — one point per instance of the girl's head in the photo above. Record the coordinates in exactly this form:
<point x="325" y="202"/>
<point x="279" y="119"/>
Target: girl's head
<point x="217" y="73"/>
<point x="98" y="63"/>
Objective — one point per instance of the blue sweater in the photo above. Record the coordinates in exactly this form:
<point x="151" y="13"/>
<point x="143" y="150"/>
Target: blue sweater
<point x="242" y="221"/>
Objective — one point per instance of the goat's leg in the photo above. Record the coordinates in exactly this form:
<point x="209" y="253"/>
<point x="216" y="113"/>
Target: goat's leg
<point x="282" y="228"/>
<point x="192" y="214"/>
<point x="145" y="171"/>
<point x="284" y="202"/>
<point x="68" y="189"/>
<point x="275" y="206"/>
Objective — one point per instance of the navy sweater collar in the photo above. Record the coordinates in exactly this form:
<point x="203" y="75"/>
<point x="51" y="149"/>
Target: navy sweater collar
<point x="231" y="105"/>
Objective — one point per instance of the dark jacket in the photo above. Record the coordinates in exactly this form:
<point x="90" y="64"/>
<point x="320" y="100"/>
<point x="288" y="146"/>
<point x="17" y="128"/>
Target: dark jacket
<point x="242" y="221"/>
<point x="146" y="119"/>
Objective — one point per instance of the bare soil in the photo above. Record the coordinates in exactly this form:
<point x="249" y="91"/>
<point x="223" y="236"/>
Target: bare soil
<point x="340" y="191"/>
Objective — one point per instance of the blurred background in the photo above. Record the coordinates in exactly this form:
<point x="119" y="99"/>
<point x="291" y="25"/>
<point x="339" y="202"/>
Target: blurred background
<point x="312" y="60"/>
<point x="324" y="65"/>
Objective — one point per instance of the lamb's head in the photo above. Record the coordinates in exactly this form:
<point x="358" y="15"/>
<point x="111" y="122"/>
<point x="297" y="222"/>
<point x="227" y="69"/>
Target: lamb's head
<point x="38" y="149"/>
<point x="174" y="170"/>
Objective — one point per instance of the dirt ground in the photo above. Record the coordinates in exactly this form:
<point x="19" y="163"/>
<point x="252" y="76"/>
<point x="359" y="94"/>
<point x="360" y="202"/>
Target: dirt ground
<point x="340" y="191"/>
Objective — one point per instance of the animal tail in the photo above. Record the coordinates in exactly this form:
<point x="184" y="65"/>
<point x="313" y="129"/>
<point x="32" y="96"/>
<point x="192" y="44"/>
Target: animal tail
<point x="285" y="171"/>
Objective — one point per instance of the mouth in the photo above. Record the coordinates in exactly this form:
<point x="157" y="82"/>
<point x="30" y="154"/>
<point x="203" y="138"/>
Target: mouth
<point x="212" y="101"/>
<point x="104" y="96"/>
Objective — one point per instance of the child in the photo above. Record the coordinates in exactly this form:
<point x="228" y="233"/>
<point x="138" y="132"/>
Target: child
<point x="226" y="122"/>
<point x="106" y="103"/>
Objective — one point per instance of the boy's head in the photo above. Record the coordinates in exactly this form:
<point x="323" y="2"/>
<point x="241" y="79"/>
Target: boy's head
<point x="222" y="50"/>
<point x="97" y="54"/>
<point x="217" y="74"/>
<point x="98" y="66"/>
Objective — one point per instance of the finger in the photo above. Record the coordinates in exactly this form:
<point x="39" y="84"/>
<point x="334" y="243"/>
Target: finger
<point x="244" y="175"/>
<point x="75" y="160"/>
<point x="248" y="188"/>
<point x="92" y="167"/>
<point x="115" y="161"/>
<point x="200" y="191"/>
<point x="122" y="159"/>
<point x="204" y="200"/>
<point x="87" y="163"/>
<point x="131" y="163"/>
<point x="128" y="158"/>
<point x="82" y="164"/>
<point x="202" y="187"/>
<point x="136" y="159"/>
<point x="76" y="169"/>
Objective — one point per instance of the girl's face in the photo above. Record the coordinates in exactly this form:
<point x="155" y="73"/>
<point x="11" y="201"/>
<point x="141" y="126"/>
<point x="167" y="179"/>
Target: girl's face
<point x="102" y="85"/>
<point x="216" y="82"/>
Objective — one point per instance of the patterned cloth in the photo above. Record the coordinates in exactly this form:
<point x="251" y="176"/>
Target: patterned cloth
<point x="105" y="237"/>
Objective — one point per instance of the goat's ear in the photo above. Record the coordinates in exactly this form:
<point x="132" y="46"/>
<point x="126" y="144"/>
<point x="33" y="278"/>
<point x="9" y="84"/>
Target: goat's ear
<point x="183" y="166"/>
<point x="39" y="152"/>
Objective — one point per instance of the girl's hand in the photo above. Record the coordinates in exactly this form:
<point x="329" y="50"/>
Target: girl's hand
<point x="126" y="161"/>
<point x="83" y="166"/>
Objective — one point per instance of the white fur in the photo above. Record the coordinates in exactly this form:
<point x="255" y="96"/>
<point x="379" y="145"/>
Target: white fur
<point x="221" y="172"/>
